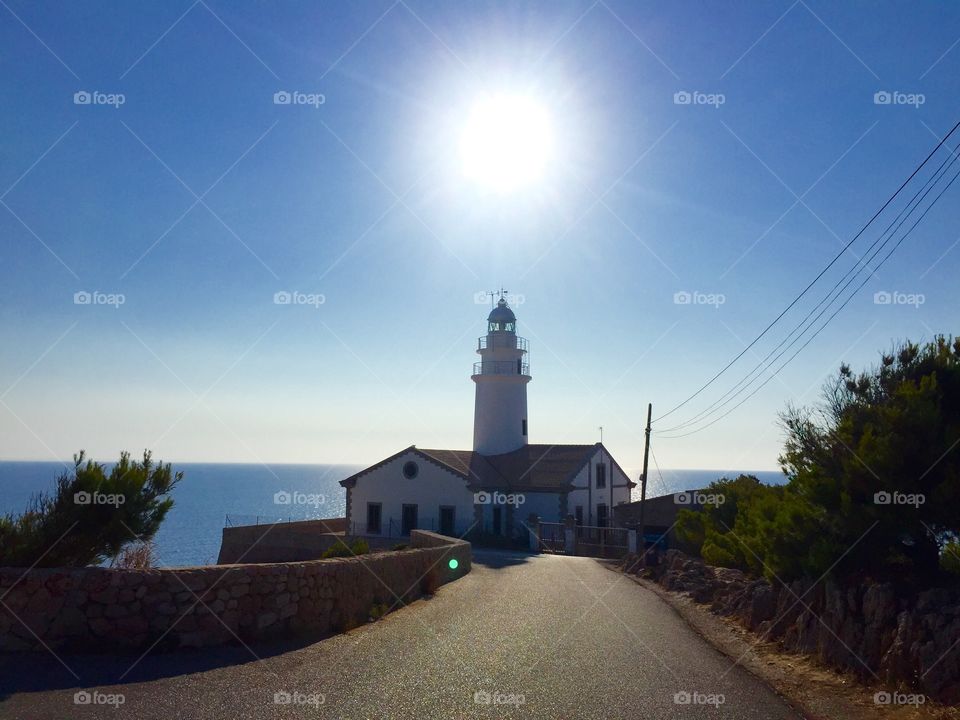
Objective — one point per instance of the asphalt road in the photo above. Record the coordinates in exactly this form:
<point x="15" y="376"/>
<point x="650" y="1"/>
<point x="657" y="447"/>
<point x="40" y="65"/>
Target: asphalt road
<point x="519" y="637"/>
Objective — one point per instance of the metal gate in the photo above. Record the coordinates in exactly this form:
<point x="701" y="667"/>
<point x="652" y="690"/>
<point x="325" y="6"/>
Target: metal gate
<point x="604" y="542"/>
<point x="552" y="537"/>
<point x="588" y="541"/>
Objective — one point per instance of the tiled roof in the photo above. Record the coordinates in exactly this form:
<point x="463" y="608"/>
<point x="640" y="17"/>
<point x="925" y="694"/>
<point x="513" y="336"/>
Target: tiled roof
<point x="531" y="468"/>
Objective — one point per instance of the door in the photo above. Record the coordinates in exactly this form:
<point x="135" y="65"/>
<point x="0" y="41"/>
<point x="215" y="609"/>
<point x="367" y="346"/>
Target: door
<point x="373" y="518"/>
<point x="447" y="520"/>
<point x="497" y="521"/>
<point x="601" y="515"/>
<point x="408" y="520"/>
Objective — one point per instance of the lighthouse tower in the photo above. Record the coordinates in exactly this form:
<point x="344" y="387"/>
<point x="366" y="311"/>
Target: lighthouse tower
<point x="501" y="376"/>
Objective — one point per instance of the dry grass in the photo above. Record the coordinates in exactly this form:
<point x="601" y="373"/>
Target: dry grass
<point x="136" y="556"/>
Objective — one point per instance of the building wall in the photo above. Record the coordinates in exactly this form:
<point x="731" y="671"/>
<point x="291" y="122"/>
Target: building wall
<point x="432" y="487"/>
<point x="589" y="495"/>
<point x="514" y="515"/>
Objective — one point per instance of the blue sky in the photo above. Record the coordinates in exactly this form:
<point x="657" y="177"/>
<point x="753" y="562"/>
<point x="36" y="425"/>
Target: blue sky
<point x="199" y="198"/>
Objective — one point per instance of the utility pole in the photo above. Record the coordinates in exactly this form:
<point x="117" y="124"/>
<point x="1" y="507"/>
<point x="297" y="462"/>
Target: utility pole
<point x="643" y="480"/>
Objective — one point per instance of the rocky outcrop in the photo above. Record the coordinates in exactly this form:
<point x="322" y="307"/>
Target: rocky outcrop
<point x="93" y="609"/>
<point x="906" y="642"/>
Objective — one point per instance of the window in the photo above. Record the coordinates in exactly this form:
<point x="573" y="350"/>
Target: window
<point x="448" y="516"/>
<point x="601" y="515"/>
<point x="519" y="366"/>
<point x="524" y="427"/>
<point x="408" y="519"/>
<point x="373" y="518"/>
<point x="497" y="521"/>
<point x="579" y="514"/>
<point x="601" y="475"/>
<point x="410" y="469"/>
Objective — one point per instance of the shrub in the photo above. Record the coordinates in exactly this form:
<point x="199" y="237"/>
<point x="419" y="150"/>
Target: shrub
<point x="360" y="547"/>
<point x="136" y="556"/>
<point x="400" y="546"/>
<point x="91" y="515"/>
<point x="341" y="549"/>
<point x="873" y="485"/>
<point x="950" y="558"/>
<point x="338" y="549"/>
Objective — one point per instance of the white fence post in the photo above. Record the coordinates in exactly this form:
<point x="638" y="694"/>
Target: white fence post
<point x="632" y="541"/>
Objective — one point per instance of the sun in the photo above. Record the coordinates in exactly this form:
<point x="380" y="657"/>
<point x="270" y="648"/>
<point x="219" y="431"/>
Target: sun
<point x="506" y="143"/>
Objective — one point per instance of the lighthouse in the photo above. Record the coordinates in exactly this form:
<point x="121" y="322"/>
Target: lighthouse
<point x="487" y="491"/>
<point x="501" y="377"/>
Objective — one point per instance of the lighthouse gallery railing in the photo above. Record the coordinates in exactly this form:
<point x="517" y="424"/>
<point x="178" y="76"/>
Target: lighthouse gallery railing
<point x="501" y="367"/>
<point x="510" y="341"/>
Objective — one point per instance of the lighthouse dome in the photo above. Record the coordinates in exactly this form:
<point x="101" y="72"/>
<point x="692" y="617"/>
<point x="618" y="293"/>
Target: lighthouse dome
<point x="502" y="317"/>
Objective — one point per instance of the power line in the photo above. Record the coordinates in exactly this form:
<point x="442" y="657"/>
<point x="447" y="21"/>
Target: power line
<point x="829" y="298"/>
<point x="828" y="320"/>
<point x="816" y="279"/>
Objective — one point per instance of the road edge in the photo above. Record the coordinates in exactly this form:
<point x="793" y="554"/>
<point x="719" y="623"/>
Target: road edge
<point x="813" y="698"/>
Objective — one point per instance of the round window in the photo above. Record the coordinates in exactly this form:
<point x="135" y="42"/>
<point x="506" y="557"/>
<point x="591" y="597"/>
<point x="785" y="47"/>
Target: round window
<point x="410" y="470"/>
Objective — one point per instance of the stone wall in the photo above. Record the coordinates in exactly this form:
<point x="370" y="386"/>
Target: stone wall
<point x="906" y="642"/>
<point x="288" y="541"/>
<point x="94" y="609"/>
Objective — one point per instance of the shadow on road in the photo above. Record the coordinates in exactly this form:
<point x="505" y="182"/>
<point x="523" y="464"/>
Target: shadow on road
<point x="39" y="672"/>
<point x="36" y="672"/>
<point x="497" y="559"/>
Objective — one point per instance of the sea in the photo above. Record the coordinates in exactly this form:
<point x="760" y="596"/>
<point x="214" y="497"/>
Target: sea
<point x="213" y="495"/>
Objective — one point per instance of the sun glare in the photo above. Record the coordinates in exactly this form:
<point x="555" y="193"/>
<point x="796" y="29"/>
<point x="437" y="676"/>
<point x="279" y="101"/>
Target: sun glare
<point x="506" y="143"/>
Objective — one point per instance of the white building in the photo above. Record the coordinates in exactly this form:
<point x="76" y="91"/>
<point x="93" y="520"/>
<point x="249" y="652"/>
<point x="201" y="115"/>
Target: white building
<point x="494" y="488"/>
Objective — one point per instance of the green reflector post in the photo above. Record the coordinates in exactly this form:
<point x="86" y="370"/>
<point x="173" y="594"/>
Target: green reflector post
<point x="453" y="564"/>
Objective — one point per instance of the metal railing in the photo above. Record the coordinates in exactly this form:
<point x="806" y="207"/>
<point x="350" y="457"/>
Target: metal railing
<point x="510" y="341"/>
<point x="393" y="528"/>
<point x="501" y="367"/>
<point x="241" y="520"/>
